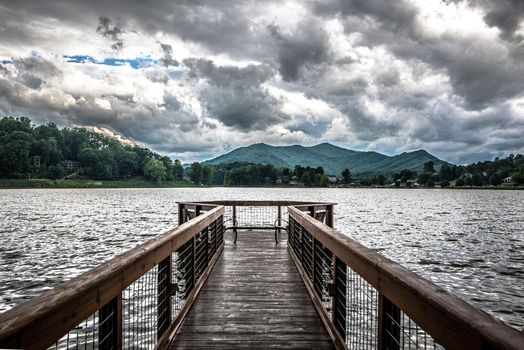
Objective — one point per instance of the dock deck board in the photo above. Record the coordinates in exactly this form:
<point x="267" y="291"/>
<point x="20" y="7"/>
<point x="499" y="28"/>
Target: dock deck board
<point x="254" y="298"/>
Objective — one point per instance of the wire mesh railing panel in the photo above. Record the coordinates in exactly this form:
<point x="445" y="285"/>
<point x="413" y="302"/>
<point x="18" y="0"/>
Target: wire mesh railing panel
<point x="307" y="253"/>
<point x="296" y="240"/>
<point x="211" y="236"/>
<point x="163" y="296"/>
<point x="361" y="312"/>
<point x="201" y="250"/>
<point x="292" y="235"/>
<point x="323" y="275"/>
<point x="183" y="273"/>
<point x="219" y="231"/>
<point x="340" y="305"/>
<point x="178" y="299"/>
<point x="83" y="336"/>
<point x="256" y="216"/>
<point x="283" y="214"/>
<point x="140" y="313"/>
<point x="401" y="332"/>
<point x="228" y="216"/>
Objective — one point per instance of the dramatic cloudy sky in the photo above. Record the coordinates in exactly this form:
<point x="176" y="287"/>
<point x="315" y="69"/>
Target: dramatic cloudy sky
<point x="192" y="79"/>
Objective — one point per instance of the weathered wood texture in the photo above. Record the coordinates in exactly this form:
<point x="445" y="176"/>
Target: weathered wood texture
<point x="254" y="298"/>
<point x="451" y="321"/>
<point x="39" y="322"/>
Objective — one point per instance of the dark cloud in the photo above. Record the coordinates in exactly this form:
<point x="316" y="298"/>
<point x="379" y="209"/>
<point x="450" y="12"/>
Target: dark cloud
<point x="167" y="58"/>
<point x="216" y="26"/>
<point x="505" y="15"/>
<point x="306" y="47"/>
<point x="154" y="126"/>
<point x="392" y="79"/>
<point x="113" y="31"/>
<point x="482" y="72"/>
<point x="393" y="15"/>
<point x="315" y="129"/>
<point x="235" y="96"/>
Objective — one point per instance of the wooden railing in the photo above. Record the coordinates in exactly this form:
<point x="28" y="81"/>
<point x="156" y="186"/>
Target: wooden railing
<point x="257" y="215"/>
<point x="136" y="300"/>
<point x="369" y="301"/>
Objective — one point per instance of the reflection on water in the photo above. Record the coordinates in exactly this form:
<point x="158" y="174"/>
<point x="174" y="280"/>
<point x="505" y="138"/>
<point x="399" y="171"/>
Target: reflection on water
<point x="469" y="242"/>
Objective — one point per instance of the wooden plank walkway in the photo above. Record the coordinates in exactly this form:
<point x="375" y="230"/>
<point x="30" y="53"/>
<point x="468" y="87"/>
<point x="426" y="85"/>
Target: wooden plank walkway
<point x="254" y="298"/>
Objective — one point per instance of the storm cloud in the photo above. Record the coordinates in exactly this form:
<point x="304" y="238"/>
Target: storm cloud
<point x="111" y="30"/>
<point x="193" y="79"/>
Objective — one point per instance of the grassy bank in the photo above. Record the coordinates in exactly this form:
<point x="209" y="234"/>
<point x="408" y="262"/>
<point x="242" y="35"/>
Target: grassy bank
<point x="46" y="183"/>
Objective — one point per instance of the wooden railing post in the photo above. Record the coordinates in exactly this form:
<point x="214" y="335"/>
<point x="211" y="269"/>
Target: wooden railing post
<point x="110" y="325"/>
<point x="164" y="300"/>
<point x="312" y="212"/>
<point x="330" y="215"/>
<point x="388" y="324"/>
<point x="181" y="216"/>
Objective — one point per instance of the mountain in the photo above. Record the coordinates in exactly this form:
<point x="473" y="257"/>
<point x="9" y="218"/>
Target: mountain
<point x="332" y="158"/>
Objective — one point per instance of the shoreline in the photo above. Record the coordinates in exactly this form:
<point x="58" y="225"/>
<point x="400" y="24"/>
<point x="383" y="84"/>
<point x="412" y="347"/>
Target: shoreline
<point x="79" y="184"/>
<point x="87" y="184"/>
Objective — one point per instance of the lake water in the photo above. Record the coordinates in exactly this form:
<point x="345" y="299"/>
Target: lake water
<point x="469" y="242"/>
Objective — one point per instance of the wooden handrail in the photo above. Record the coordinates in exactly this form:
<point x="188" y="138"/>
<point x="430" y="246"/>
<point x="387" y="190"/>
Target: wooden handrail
<point x="451" y="321"/>
<point x="259" y="203"/>
<point x="44" y="319"/>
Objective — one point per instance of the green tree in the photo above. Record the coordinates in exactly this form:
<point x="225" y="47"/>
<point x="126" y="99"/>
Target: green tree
<point x="306" y="180"/>
<point x="446" y="172"/>
<point x="299" y="171"/>
<point x="460" y="182"/>
<point x="317" y="179"/>
<point x="155" y="170"/>
<point x="429" y="167"/>
<point x="346" y="176"/>
<point x="207" y="174"/>
<point x="56" y="172"/>
<point x="424" y="178"/>
<point x="128" y="163"/>
<point x="406" y="175"/>
<point x="15" y="158"/>
<point x="178" y="170"/>
<point x="495" y="179"/>
<point x="381" y="180"/>
<point x="476" y="180"/>
<point x="195" y="173"/>
<point x="444" y="183"/>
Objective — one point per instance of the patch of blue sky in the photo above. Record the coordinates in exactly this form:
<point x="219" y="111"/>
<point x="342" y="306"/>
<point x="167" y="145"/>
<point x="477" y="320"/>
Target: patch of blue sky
<point x="135" y="63"/>
<point x="6" y="62"/>
<point x="176" y="74"/>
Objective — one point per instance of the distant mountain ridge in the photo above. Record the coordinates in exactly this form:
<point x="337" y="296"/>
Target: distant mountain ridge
<point x="332" y="158"/>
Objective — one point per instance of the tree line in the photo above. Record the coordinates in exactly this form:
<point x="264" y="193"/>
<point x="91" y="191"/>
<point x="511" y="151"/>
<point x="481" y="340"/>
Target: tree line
<point x="45" y="151"/>
<point x="487" y="173"/>
<point x="251" y="174"/>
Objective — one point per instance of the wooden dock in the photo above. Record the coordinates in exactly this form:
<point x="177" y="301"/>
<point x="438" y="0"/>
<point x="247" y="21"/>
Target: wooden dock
<point x="254" y="298"/>
<point x="193" y="287"/>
